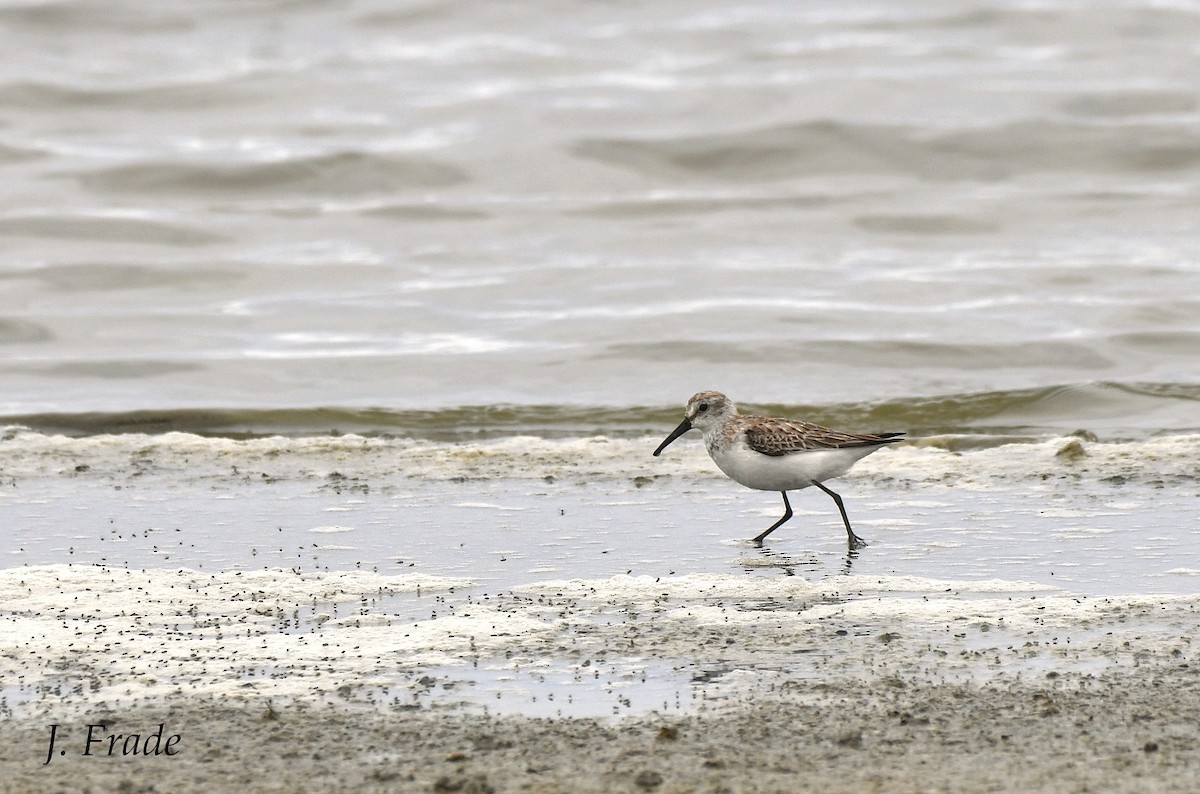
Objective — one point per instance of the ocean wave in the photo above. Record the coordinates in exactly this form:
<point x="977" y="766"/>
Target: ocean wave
<point x="934" y="459"/>
<point x="340" y="173"/>
<point x="986" y="152"/>
<point x="108" y="227"/>
<point x="977" y="419"/>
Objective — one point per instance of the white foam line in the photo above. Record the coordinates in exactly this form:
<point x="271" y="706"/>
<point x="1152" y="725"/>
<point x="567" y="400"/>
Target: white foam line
<point x="25" y="453"/>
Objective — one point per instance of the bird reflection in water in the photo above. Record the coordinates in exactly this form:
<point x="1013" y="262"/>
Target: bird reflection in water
<point x="789" y="564"/>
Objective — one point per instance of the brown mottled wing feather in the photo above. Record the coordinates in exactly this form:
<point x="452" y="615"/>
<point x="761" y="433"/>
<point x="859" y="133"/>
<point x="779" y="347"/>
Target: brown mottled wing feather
<point x="783" y="436"/>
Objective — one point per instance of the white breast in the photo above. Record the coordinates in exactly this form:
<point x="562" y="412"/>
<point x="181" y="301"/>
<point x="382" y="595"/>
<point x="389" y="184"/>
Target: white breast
<point x="788" y="472"/>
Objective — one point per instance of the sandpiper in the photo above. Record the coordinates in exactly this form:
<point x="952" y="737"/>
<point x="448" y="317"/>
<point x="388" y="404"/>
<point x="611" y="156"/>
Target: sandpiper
<point x="771" y="454"/>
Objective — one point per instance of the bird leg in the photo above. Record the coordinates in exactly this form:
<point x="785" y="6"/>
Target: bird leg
<point x="787" y="514"/>
<point x="853" y="540"/>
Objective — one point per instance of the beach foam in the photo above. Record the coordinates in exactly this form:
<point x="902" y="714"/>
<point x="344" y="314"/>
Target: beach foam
<point x="122" y="636"/>
<point x="341" y="459"/>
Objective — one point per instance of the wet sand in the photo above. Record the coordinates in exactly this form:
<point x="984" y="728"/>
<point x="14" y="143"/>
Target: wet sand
<point x="787" y="686"/>
<point x="1128" y="732"/>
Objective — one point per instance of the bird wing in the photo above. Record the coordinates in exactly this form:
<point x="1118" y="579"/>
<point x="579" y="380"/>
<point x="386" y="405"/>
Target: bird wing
<point x="784" y="436"/>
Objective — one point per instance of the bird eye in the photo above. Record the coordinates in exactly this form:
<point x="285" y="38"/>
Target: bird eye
<point x="703" y="407"/>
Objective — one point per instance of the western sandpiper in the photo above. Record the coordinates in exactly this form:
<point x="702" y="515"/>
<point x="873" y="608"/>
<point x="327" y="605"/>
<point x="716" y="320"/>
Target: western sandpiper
<point x="771" y="454"/>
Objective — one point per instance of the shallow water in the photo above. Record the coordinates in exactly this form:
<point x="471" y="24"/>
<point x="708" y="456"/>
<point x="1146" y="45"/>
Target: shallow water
<point x="1090" y="517"/>
<point x="1105" y="539"/>
<point x="572" y="576"/>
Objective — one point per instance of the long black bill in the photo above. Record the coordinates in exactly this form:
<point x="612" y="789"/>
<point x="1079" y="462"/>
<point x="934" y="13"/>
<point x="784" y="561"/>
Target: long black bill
<point x="684" y="426"/>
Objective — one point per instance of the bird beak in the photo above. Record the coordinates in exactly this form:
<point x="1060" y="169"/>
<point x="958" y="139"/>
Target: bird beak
<point x="684" y="426"/>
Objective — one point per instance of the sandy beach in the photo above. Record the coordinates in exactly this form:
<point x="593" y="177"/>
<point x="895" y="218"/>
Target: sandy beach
<point x="1132" y="731"/>
<point x="1020" y="622"/>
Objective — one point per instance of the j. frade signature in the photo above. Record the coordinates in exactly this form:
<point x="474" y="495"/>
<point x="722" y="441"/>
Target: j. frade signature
<point x="101" y="742"/>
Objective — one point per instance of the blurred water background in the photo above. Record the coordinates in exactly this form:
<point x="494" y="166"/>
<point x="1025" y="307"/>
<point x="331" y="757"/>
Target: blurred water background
<point x="253" y="216"/>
